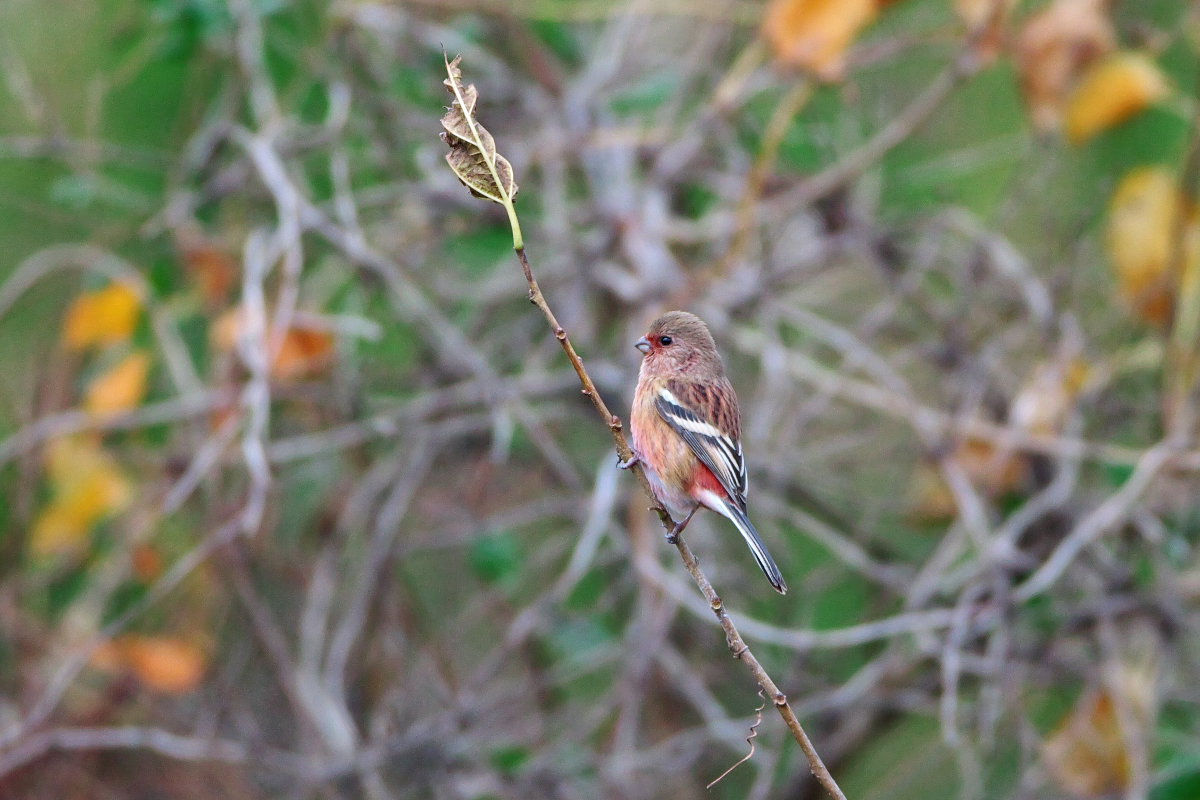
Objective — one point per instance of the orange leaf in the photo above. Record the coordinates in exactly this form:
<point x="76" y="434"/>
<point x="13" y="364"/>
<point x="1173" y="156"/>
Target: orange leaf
<point x="86" y="486"/>
<point x="227" y="329"/>
<point x="103" y="317"/>
<point x="974" y="13"/>
<point x="815" y="34"/>
<point x="1088" y="753"/>
<point x="1054" y="47"/>
<point x="166" y="664"/>
<point x="147" y="562"/>
<point x="991" y="15"/>
<point x="993" y="471"/>
<point x="1142" y="218"/>
<point x="121" y="388"/>
<point x="1111" y="92"/>
<point x="210" y="266"/>
<point x="930" y="499"/>
<point x="304" y="350"/>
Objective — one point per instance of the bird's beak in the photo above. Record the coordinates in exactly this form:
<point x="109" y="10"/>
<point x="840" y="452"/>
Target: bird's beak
<point x="642" y="344"/>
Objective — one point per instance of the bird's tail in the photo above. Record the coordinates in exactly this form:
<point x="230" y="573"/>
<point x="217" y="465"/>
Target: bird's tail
<point x="765" y="562"/>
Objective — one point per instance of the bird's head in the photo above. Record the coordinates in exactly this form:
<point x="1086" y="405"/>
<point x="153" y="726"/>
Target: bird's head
<point x="678" y="340"/>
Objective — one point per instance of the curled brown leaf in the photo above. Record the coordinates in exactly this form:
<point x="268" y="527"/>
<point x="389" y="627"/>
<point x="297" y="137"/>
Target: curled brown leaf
<point x="473" y="155"/>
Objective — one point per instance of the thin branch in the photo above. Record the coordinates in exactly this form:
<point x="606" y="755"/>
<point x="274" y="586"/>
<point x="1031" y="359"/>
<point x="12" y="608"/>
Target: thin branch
<point x="501" y="191"/>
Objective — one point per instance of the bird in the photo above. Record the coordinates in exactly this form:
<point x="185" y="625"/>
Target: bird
<point x="686" y="431"/>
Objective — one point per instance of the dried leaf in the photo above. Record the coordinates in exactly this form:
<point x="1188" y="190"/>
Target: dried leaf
<point x="473" y="155"/>
<point x="86" y="486"/>
<point x="147" y="562"/>
<point x="1053" y="49"/>
<point x="1088" y="753"/>
<point x="210" y="266"/>
<point x="987" y="20"/>
<point x="1142" y="219"/>
<point x="166" y="664"/>
<point x="104" y="317"/>
<point x="1112" y="91"/>
<point x="974" y="13"/>
<point x="119" y="389"/>
<point x="815" y="34"/>
<point x="227" y="329"/>
<point x="1043" y="403"/>
<point x="1186" y="315"/>
<point x="304" y="350"/>
<point x="993" y="471"/>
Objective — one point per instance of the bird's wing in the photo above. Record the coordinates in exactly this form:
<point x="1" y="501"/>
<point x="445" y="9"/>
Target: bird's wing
<point x="706" y="416"/>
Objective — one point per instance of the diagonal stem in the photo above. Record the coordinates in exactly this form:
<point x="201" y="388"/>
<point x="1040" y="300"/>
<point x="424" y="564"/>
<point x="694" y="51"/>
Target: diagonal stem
<point x="733" y="638"/>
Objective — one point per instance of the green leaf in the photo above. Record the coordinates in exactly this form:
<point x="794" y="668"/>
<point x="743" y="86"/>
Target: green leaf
<point x="574" y="640"/>
<point x="509" y="760"/>
<point x="1181" y="787"/>
<point x="497" y="558"/>
<point x="63" y="590"/>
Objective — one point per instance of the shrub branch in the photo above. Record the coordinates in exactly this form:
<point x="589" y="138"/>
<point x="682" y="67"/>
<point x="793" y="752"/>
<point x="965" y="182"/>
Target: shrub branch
<point x="475" y="161"/>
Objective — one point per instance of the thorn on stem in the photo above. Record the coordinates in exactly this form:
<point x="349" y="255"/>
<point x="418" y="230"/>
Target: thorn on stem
<point x="559" y="333"/>
<point x="780" y="699"/>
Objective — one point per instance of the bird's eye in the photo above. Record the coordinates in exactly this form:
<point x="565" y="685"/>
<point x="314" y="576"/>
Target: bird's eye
<point x="665" y="340"/>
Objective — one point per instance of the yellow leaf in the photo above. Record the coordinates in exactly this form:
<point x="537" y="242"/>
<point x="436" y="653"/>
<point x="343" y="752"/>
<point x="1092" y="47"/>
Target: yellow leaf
<point x="1142" y="218"/>
<point x="815" y="34"/>
<point x="166" y="664"/>
<point x="1053" y="49"/>
<point x="103" y="317"/>
<point x="59" y="530"/>
<point x="1187" y="305"/>
<point x="121" y="388"/>
<point x="86" y="487"/>
<point x="930" y="499"/>
<point x="1111" y="92"/>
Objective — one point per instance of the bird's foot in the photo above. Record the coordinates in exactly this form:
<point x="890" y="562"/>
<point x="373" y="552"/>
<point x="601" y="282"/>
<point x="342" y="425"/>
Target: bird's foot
<point x="633" y="459"/>
<point x="673" y="534"/>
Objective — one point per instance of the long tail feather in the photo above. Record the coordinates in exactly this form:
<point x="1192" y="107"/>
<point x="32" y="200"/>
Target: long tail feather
<point x="765" y="562"/>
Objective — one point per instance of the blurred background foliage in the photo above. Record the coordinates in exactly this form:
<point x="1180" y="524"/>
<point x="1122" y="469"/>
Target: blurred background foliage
<point x="299" y="498"/>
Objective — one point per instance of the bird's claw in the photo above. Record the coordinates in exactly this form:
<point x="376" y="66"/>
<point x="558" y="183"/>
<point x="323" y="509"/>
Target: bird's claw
<point x="629" y="462"/>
